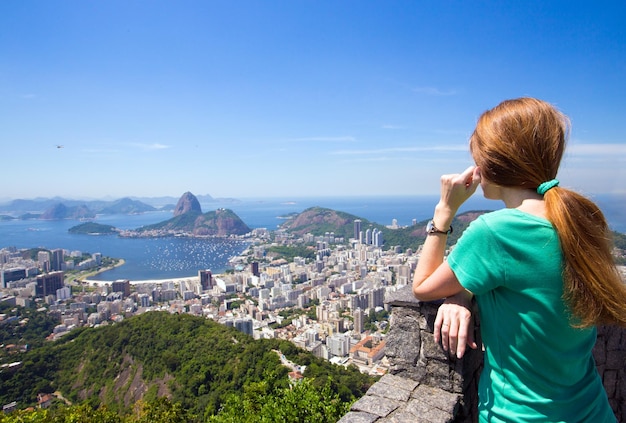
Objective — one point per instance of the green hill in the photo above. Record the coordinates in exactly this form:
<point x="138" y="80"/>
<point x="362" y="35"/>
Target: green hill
<point x="221" y="222"/>
<point x="319" y="220"/>
<point x="190" y="360"/>
<point x="92" y="228"/>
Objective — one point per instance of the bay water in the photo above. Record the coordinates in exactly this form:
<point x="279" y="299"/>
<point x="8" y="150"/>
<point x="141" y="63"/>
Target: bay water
<point x="162" y="258"/>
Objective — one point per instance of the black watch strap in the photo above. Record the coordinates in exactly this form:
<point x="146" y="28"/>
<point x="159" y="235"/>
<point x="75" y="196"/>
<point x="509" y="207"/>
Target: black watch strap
<point x="432" y="229"/>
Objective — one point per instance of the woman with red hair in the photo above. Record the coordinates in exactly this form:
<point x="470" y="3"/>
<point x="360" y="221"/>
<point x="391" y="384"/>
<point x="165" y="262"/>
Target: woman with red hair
<point x="540" y="269"/>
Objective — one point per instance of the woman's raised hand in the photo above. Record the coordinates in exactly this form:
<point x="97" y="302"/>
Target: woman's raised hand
<point x="457" y="188"/>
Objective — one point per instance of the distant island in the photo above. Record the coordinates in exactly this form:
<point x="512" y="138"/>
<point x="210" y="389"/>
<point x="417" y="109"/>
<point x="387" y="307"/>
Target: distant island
<point x="92" y="228"/>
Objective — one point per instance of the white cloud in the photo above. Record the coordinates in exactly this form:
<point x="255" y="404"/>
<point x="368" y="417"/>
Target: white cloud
<point x="150" y="147"/>
<point x="433" y="91"/>
<point x="325" y="139"/>
<point x="597" y="149"/>
<point x="441" y="148"/>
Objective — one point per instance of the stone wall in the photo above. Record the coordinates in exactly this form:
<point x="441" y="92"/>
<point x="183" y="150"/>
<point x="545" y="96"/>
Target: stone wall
<point x="610" y="355"/>
<point x="425" y="384"/>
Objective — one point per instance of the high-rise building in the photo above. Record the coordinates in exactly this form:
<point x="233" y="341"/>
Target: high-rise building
<point x="376" y="297"/>
<point x="338" y="344"/>
<point x="244" y="325"/>
<point x="48" y="283"/>
<point x="56" y="262"/>
<point x="255" y="268"/>
<point x="11" y="275"/>
<point x="378" y="239"/>
<point x="206" y="279"/>
<point x="357" y="229"/>
<point x="121" y="285"/>
<point x="359" y="320"/>
<point x="43" y="259"/>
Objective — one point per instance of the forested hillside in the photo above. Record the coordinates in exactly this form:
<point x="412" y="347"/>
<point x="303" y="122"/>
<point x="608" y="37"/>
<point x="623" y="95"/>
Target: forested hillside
<point x="195" y="363"/>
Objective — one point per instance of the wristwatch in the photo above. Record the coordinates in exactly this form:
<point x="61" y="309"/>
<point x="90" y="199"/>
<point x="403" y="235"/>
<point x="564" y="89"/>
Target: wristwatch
<point x="432" y="229"/>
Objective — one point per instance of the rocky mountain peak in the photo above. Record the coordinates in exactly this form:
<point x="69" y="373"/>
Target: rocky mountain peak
<point x="187" y="203"/>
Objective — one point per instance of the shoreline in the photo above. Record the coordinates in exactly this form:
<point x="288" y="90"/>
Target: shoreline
<point x="145" y="281"/>
<point x="82" y="276"/>
<point x="121" y="262"/>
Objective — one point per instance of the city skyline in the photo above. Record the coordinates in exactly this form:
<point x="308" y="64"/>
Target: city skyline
<point x="277" y="99"/>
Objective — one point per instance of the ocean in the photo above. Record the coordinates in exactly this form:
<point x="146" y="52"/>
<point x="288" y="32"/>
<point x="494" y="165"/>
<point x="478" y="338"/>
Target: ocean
<point x="162" y="258"/>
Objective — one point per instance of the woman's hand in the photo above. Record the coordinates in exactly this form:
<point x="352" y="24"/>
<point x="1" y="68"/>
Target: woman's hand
<point x="455" y="190"/>
<point x="454" y="325"/>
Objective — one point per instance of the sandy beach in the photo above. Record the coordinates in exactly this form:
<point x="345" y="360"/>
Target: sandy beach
<point x="146" y="281"/>
<point x="85" y="278"/>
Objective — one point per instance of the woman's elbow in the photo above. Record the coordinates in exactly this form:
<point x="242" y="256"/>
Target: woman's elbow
<point x="420" y="293"/>
<point x="423" y="295"/>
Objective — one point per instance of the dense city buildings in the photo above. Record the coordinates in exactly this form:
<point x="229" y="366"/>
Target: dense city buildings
<point x="331" y="304"/>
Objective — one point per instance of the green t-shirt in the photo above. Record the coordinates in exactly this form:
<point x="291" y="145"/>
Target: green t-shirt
<point x="537" y="367"/>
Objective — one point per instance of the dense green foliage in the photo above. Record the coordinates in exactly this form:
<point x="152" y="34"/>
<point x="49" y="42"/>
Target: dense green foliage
<point x="619" y="240"/>
<point x="302" y="403"/>
<point x="29" y="327"/>
<point x="288" y="252"/>
<point x="196" y="362"/>
<point x="160" y="410"/>
<point x="92" y="228"/>
<point x="210" y="223"/>
<point x="185" y="221"/>
<point x="260" y="402"/>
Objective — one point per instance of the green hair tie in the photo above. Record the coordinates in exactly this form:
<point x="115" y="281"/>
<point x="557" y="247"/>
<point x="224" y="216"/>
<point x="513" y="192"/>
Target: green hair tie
<point x="543" y="188"/>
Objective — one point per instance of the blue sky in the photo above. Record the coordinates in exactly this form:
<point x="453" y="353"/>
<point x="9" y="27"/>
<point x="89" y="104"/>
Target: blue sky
<point x="294" y="98"/>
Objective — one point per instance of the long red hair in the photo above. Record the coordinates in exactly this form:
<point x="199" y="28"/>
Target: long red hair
<point x="520" y="143"/>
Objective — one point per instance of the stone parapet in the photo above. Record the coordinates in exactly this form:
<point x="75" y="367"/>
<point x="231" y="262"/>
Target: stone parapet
<point x="425" y="384"/>
<point x="610" y="355"/>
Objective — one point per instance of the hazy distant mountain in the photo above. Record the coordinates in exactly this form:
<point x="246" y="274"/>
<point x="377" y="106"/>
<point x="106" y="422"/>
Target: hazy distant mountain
<point x="43" y="205"/>
<point x="61" y="211"/>
<point x="127" y="206"/>
<point x="37" y="205"/>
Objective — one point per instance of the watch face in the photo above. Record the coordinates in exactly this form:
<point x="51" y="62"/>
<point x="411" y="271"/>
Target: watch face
<point x="430" y="226"/>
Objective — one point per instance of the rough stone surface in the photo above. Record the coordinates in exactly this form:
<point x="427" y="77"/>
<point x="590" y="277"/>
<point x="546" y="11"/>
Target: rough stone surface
<point x="425" y="385"/>
<point x="375" y="405"/>
<point x="358" y="417"/>
<point x="610" y="355"/>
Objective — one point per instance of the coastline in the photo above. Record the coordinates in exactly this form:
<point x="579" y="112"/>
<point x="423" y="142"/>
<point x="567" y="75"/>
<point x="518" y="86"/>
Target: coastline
<point x="145" y="281"/>
<point x="121" y="262"/>
<point x="82" y="276"/>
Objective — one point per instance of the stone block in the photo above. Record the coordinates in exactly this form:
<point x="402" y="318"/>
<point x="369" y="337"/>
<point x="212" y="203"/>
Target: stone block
<point x="358" y="417"/>
<point x="375" y="405"/>
<point x="399" y="382"/>
<point x="389" y="392"/>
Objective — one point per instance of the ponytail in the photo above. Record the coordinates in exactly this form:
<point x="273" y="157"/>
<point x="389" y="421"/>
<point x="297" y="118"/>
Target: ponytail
<point x="592" y="286"/>
<point x="520" y="143"/>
